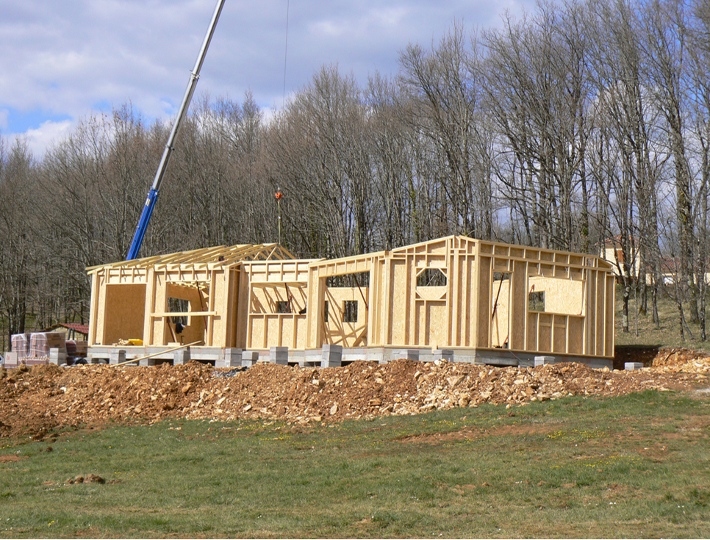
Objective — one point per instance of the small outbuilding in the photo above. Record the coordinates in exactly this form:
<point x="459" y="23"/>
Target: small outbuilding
<point x="454" y="297"/>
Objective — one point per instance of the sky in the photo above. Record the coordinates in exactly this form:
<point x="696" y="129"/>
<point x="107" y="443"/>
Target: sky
<point x="64" y="60"/>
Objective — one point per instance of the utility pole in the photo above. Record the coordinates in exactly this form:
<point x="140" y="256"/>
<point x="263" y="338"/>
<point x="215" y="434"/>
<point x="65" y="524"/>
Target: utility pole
<point x="279" y="196"/>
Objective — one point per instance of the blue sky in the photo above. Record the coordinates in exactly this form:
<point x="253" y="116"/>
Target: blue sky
<point x="65" y="60"/>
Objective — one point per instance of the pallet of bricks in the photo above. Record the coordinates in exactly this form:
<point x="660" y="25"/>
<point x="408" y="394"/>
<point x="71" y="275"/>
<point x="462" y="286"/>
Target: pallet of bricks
<point x="36" y="349"/>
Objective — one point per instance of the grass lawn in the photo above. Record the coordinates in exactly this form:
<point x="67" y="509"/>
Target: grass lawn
<point x="635" y="466"/>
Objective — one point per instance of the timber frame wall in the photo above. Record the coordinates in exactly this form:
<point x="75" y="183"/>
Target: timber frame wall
<point x="450" y="293"/>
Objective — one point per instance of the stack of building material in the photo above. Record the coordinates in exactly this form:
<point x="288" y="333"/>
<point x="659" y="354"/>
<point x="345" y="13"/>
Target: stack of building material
<point x="11" y="359"/>
<point x="41" y="344"/>
<point x="76" y="348"/>
<point x="21" y="345"/>
<point x="41" y="348"/>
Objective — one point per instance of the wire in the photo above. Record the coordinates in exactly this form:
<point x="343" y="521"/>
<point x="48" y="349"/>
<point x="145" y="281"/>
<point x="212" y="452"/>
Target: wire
<point x="283" y="101"/>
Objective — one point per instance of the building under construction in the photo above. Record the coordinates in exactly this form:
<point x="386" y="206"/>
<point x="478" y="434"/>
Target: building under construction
<point x="456" y="297"/>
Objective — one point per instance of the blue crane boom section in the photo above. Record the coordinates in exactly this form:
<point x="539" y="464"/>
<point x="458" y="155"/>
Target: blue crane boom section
<point x="169" y="147"/>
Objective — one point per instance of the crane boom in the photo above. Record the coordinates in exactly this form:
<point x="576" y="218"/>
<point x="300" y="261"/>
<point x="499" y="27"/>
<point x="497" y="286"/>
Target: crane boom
<point x="189" y="91"/>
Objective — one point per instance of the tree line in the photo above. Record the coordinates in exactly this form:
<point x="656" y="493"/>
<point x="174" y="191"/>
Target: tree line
<point x="579" y="124"/>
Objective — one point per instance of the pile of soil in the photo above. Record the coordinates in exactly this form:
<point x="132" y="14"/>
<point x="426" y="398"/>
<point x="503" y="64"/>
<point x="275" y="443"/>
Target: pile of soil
<point x="672" y="356"/>
<point x="35" y="400"/>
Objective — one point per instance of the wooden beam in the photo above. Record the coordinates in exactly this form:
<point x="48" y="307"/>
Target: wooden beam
<point x="155" y="354"/>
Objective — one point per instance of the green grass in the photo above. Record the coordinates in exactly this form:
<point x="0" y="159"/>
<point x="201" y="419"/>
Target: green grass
<point x="636" y="466"/>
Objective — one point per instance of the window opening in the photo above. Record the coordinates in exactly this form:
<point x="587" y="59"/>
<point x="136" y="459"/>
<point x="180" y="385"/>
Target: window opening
<point x="431" y="277"/>
<point x="536" y="301"/>
<point x="283" y="306"/>
<point x="356" y="279"/>
<point x="178" y="305"/>
<point x="350" y="311"/>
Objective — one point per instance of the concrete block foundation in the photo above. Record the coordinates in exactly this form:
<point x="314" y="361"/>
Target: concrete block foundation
<point x="231" y="358"/>
<point x="117" y="356"/>
<point x="278" y="355"/>
<point x="249" y="358"/>
<point x="544" y="360"/>
<point x="336" y="355"/>
<point x="181" y="356"/>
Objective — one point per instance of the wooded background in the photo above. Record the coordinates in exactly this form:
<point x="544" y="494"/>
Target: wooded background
<point x="580" y="123"/>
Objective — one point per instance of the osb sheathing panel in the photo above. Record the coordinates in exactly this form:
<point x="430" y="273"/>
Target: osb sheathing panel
<point x="277" y="330"/>
<point x="430" y="324"/>
<point x="562" y="295"/>
<point x="378" y="313"/>
<point x="609" y="317"/>
<point x="336" y="330"/>
<point x="513" y="272"/>
<point x="262" y="285"/>
<point x="124" y="319"/>
<point x="264" y="298"/>
<point x="559" y="341"/>
<point x="219" y="302"/>
<point x="461" y="283"/>
<point x="398" y="304"/>
<point x="518" y="306"/>
<point x="268" y="328"/>
<point x="484" y="284"/>
<point x="600" y="313"/>
<point x="576" y="335"/>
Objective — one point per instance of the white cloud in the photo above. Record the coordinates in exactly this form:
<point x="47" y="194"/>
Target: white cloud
<point x="68" y="58"/>
<point x="4" y="114"/>
<point x="41" y="139"/>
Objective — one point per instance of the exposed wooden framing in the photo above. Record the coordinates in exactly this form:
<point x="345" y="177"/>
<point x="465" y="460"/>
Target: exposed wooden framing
<point x="452" y="292"/>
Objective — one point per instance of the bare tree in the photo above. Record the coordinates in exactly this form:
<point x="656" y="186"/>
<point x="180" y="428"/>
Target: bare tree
<point x="17" y="250"/>
<point x="625" y="122"/>
<point x="445" y="85"/>
<point x="665" y="47"/>
<point x="537" y="92"/>
<point x="320" y="153"/>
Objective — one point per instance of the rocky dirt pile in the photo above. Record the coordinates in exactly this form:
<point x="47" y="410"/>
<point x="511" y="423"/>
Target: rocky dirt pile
<point x="678" y="357"/>
<point x="38" y="399"/>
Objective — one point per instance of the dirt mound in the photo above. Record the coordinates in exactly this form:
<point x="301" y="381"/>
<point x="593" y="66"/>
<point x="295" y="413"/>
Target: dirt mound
<point x="36" y="400"/>
<point x="679" y="357"/>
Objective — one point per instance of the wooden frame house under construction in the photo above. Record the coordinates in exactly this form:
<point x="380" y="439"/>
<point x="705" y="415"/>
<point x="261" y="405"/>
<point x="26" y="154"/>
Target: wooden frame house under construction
<point x="455" y="297"/>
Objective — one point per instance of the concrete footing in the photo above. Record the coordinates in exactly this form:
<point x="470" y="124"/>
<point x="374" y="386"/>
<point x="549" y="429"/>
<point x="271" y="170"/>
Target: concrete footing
<point x="632" y="366"/>
<point x="117" y="356"/>
<point x="406" y="354"/>
<point x="278" y="355"/>
<point x="331" y="356"/>
<point x="544" y="360"/>
<point x="231" y="358"/>
<point x="443" y="354"/>
<point x="181" y="356"/>
<point x="57" y="357"/>
<point x="249" y="358"/>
